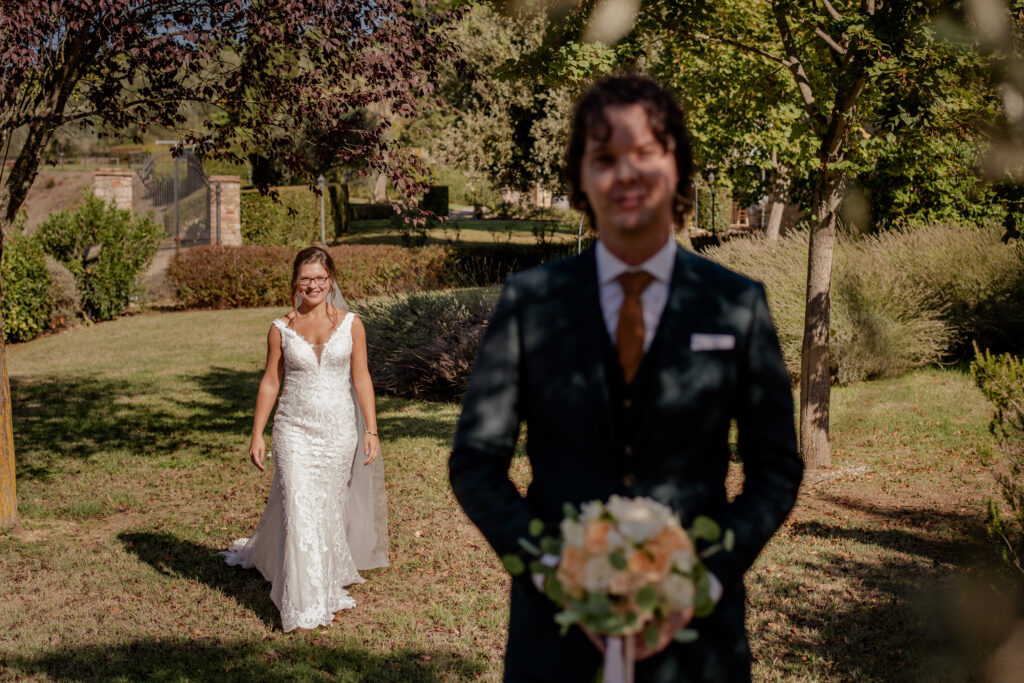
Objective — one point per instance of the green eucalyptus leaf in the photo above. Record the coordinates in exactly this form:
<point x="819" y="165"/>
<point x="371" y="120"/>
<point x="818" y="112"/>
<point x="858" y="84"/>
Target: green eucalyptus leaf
<point x="536" y="527"/>
<point x="529" y="547"/>
<point x="651" y="636"/>
<point x="647" y="598"/>
<point x="705" y="529"/>
<point x="618" y="560"/>
<point x="686" y="635"/>
<point x="514" y="564"/>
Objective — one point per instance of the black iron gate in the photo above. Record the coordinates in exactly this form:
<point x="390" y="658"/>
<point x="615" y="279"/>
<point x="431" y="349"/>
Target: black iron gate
<point x="176" y="191"/>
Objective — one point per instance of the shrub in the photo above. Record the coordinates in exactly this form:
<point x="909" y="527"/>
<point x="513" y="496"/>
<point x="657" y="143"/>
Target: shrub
<point x="127" y="245"/>
<point x="480" y="265"/>
<point x="371" y="212"/>
<point x="228" y="277"/>
<point x="423" y="345"/>
<point x="1001" y="379"/>
<point x="25" y="288"/>
<point x="294" y="220"/>
<point x="63" y="292"/>
<point x="881" y="324"/>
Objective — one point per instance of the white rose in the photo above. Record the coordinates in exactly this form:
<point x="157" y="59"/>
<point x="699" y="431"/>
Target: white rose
<point x="591" y="512"/>
<point x="572" y="532"/>
<point x="639" y="519"/>
<point x="684" y="560"/>
<point x="678" y="591"/>
<point x="597" y="574"/>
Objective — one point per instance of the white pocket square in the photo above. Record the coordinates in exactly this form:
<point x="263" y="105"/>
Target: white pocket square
<point x="700" y="341"/>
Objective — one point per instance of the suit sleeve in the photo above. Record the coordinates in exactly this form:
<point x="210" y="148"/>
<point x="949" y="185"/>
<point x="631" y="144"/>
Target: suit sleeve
<point x="487" y="431"/>
<point x="772" y="467"/>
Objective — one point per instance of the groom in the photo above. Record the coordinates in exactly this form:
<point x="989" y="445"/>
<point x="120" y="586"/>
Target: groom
<point x="627" y="363"/>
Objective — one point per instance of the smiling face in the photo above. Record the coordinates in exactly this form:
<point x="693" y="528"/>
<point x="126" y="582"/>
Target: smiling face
<point x="314" y="283"/>
<point x="629" y="179"/>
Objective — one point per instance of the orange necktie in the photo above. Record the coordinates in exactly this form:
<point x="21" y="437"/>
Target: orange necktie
<point x="629" y="336"/>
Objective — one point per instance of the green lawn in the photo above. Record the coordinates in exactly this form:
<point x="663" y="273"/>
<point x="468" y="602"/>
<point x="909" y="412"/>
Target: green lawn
<point x="469" y="230"/>
<point x="131" y="440"/>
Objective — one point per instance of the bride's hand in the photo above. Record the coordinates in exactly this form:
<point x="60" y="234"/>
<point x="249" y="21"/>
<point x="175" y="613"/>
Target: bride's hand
<point x="257" y="449"/>
<point x="371" y="447"/>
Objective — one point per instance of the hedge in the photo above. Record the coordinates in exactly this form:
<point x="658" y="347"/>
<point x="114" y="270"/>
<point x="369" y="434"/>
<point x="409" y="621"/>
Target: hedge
<point x="228" y="277"/>
<point x="26" y="283"/>
<point x="272" y="223"/>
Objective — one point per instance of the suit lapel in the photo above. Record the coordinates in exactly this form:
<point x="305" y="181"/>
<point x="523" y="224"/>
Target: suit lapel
<point x="584" y="307"/>
<point x="679" y="321"/>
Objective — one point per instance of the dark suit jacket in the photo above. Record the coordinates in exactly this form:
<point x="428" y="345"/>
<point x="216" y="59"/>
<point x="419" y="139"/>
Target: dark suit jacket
<point x="543" y="360"/>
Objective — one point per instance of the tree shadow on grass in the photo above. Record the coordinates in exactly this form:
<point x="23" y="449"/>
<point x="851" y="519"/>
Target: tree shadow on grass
<point x="172" y="556"/>
<point x="289" y="658"/>
<point x="928" y="610"/>
<point x="79" y="416"/>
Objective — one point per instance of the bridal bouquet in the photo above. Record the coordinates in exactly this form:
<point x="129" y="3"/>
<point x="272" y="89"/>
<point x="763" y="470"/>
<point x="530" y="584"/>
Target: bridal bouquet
<point x="620" y="568"/>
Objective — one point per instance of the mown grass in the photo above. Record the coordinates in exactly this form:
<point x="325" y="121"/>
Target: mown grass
<point x="468" y="230"/>
<point x="131" y="441"/>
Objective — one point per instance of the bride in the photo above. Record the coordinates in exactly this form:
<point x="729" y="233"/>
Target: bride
<point x="326" y="516"/>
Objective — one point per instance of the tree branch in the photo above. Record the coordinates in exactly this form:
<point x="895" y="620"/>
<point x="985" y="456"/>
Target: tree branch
<point x="830" y="41"/>
<point x="796" y="68"/>
<point x="746" y="48"/>
<point x="832" y="12"/>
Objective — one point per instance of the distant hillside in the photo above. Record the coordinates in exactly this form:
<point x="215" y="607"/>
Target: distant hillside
<point x="55" y="190"/>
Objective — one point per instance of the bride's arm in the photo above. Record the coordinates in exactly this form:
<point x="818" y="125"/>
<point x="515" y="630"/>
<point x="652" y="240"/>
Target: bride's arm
<point x="266" y="396"/>
<point x="364" y="390"/>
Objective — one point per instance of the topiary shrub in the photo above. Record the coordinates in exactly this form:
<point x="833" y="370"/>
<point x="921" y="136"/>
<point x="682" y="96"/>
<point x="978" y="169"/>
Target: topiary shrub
<point x="423" y="345"/>
<point x="127" y="245"/>
<point x="231" y="277"/>
<point x="25" y="283"/>
<point x="63" y="292"/>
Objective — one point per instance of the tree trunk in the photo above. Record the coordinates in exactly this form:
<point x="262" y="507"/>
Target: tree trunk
<point x="774" y="224"/>
<point x="815" y="375"/>
<point x="8" y="498"/>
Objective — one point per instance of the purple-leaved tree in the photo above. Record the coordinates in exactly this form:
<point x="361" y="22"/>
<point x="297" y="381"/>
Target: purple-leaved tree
<point x="262" y="73"/>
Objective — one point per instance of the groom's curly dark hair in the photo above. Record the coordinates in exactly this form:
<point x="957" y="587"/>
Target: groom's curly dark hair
<point x="666" y="118"/>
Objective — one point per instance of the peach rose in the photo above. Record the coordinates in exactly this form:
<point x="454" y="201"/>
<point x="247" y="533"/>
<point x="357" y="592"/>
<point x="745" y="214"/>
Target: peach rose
<point x="651" y="563"/>
<point x="596" y="538"/>
<point x="570" y="570"/>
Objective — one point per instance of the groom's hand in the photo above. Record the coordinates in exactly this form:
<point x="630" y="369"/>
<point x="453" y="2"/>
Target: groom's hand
<point x="667" y="628"/>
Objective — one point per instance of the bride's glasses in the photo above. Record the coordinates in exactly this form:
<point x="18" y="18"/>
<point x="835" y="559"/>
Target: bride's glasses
<point x="318" y="281"/>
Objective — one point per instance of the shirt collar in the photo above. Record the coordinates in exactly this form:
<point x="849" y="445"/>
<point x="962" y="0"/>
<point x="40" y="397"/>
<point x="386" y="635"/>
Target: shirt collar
<point x="660" y="265"/>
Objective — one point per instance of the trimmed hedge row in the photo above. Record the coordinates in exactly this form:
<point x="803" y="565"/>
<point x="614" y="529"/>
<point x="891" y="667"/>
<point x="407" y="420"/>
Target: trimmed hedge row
<point x="229" y="277"/>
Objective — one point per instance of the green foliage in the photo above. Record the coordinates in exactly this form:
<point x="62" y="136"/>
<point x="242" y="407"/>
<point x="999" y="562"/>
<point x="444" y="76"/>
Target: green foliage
<point x="294" y="220"/>
<point x="25" y="284"/>
<point x="900" y="300"/>
<point x="63" y="292"/>
<point x="230" y="277"/>
<point x="466" y="188"/>
<point x="127" y="245"/>
<point x="423" y="345"/>
<point x="436" y="201"/>
<point x="716" y="219"/>
<point x="1001" y="380"/>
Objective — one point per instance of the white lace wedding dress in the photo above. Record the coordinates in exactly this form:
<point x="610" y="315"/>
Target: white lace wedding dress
<point x="302" y="542"/>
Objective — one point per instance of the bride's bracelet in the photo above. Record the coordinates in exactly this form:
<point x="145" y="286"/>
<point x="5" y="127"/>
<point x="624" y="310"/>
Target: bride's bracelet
<point x="371" y="433"/>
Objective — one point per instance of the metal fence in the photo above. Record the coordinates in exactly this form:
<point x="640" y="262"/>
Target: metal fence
<point x="176" y="191"/>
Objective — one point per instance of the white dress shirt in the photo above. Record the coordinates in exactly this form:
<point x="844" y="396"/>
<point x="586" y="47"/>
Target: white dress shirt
<point x="653" y="298"/>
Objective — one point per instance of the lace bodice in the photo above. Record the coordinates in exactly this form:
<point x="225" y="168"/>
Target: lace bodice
<point x="315" y="388"/>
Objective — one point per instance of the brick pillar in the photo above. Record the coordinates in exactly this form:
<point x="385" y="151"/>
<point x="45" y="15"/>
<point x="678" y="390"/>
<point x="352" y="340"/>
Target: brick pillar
<point x="114" y="184"/>
<point x="227" y="190"/>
